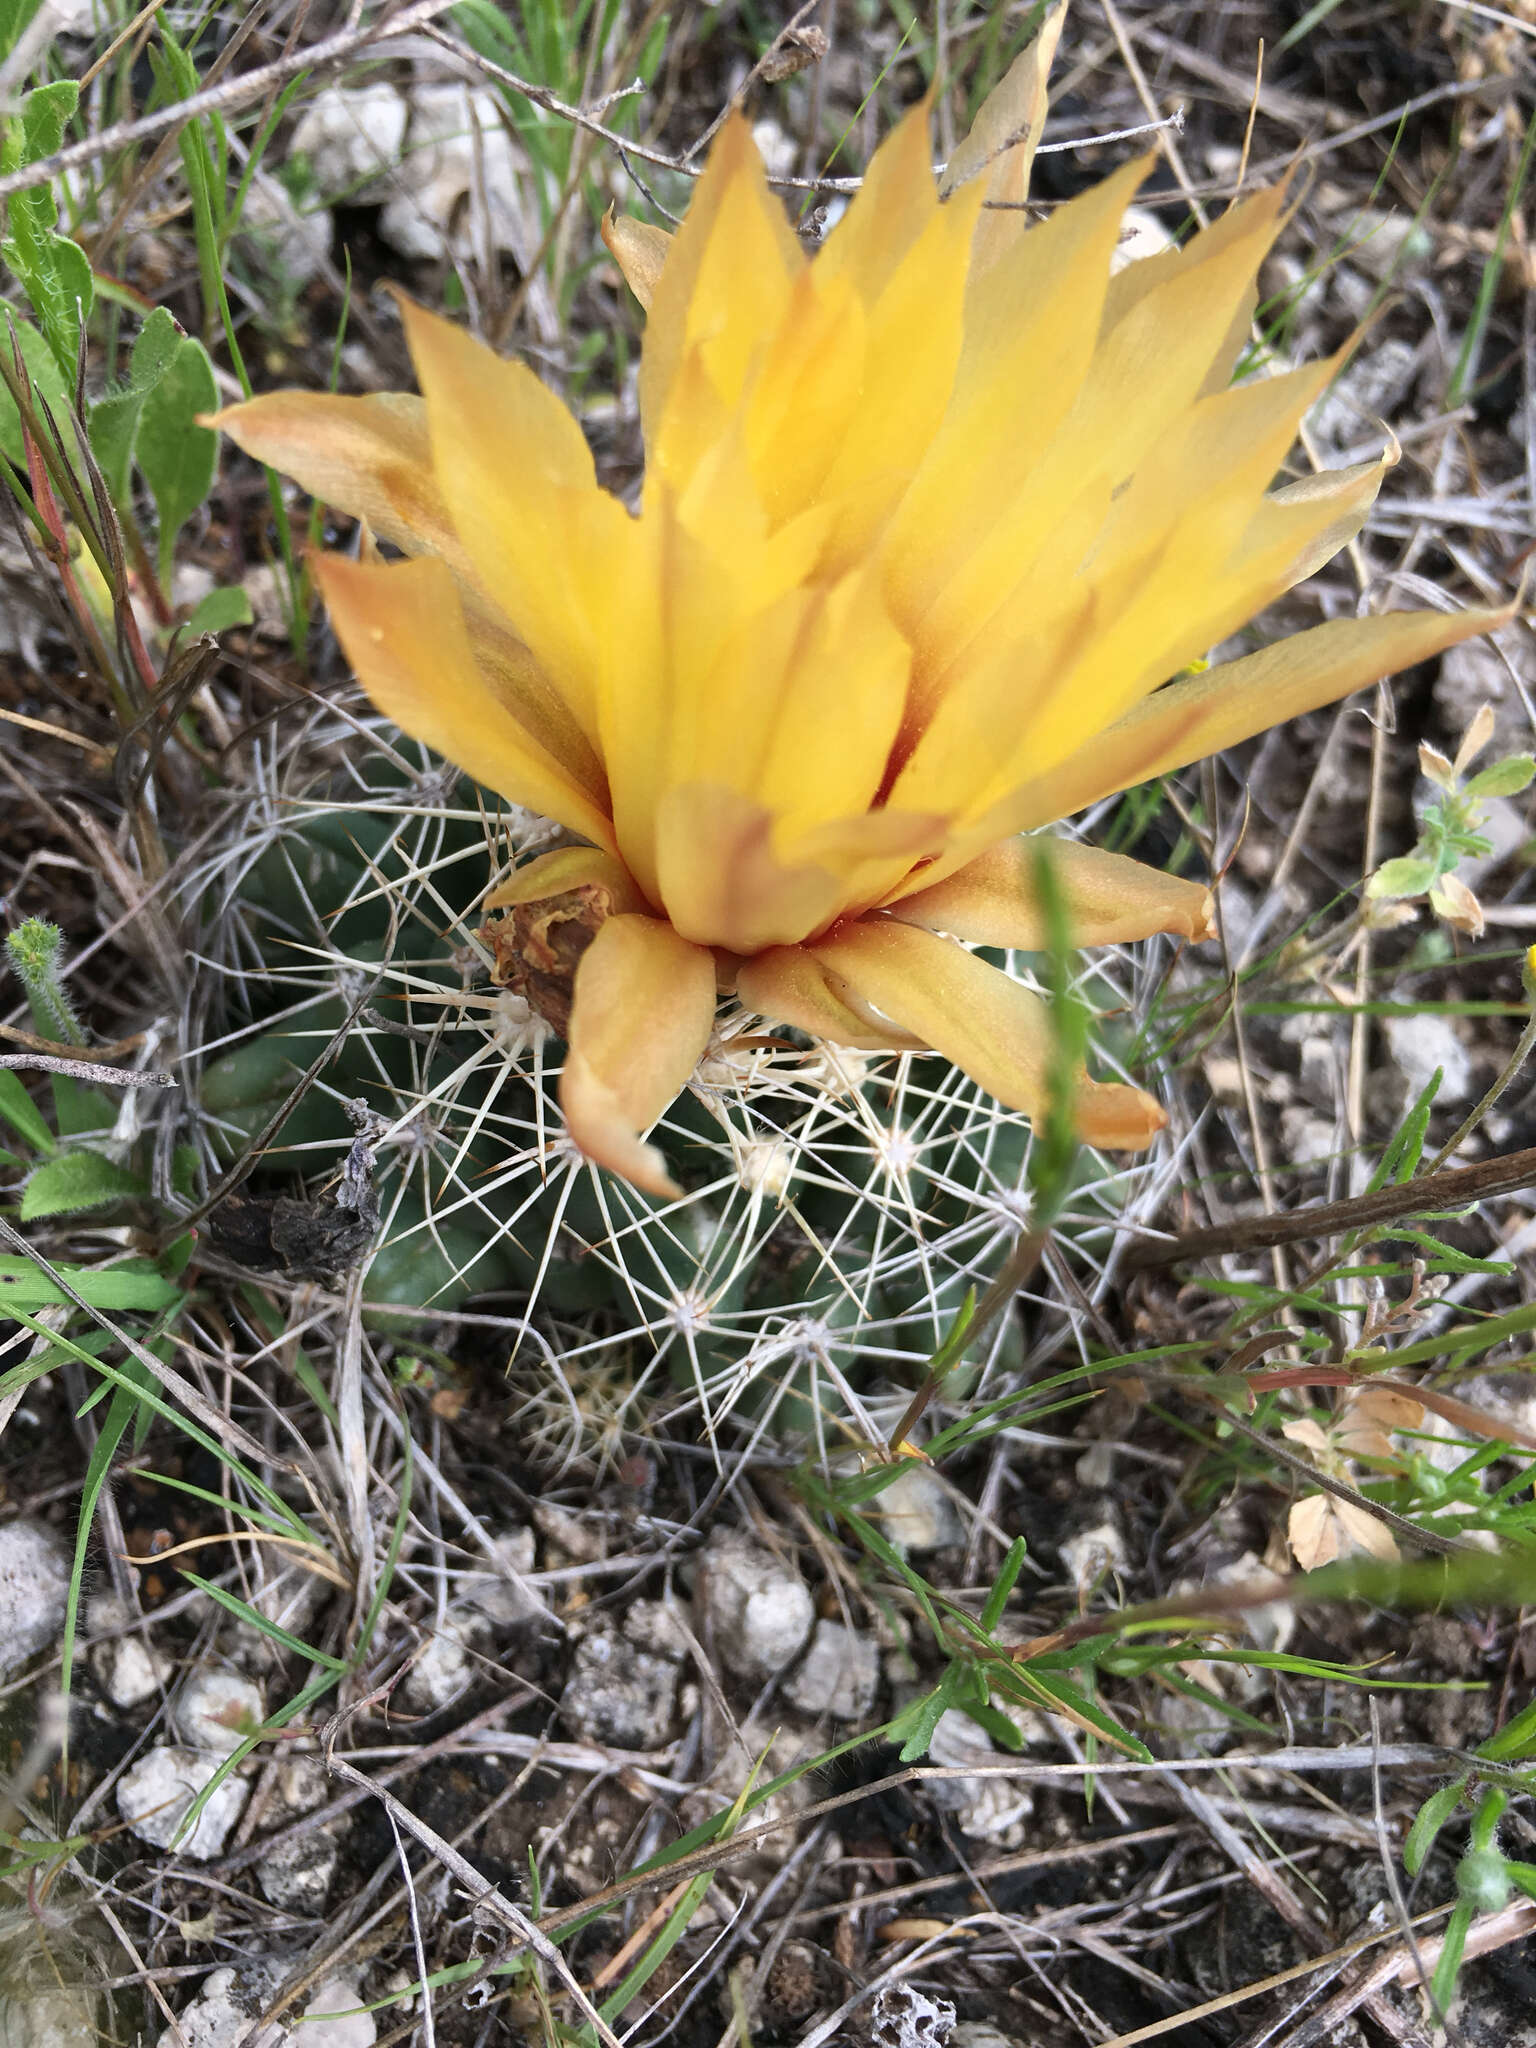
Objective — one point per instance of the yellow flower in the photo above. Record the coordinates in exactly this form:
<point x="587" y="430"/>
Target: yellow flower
<point x="929" y="517"/>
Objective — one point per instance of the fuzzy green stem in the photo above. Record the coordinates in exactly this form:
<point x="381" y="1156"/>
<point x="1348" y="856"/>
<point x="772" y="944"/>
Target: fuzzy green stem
<point x="36" y="949"/>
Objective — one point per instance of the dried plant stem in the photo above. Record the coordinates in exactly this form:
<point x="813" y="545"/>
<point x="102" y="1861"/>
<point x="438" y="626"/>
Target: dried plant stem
<point x="1469" y="1123"/>
<point x="1456" y="1185"/>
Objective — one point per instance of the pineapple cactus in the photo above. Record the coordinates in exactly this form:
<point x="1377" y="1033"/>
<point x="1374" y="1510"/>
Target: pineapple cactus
<point x="838" y="1205"/>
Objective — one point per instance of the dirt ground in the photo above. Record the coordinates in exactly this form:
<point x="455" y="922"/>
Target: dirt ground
<point x="378" y="1597"/>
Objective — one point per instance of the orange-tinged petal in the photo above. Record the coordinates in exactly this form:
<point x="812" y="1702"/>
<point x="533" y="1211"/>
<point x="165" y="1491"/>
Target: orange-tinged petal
<point x="982" y="1020"/>
<point x="568" y="867"/>
<point x="1108" y="900"/>
<point x="405" y="635"/>
<point x="791" y="986"/>
<point x="1199" y="715"/>
<point x="721" y="879"/>
<point x="1000" y="149"/>
<point x="640" y="250"/>
<point x="516" y="474"/>
<point x="367" y="457"/>
<point x="642" y="1012"/>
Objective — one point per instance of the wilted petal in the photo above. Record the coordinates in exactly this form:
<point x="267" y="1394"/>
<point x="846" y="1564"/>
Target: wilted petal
<point x="405" y="635"/>
<point x="639" y="249"/>
<point x="643" y="1010"/>
<point x="367" y="457"/>
<point x="981" y="1019"/>
<point x="1344" y="496"/>
<point x="999" y="151"/>
<point x="1108" y="900"/>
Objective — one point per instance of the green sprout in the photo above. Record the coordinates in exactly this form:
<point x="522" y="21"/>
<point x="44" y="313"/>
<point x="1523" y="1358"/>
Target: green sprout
<point x="1449" y="833"/>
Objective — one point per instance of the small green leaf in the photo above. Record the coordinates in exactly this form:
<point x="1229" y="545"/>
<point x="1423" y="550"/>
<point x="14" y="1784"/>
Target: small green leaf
<point x="77" y="1180"/>
<point x="54" y="272"/>
<point x="1405" y="877"/>
<point x="913" y="1727"/>
<point x="114" y="426"/>
<point x="1004" y="1733"/>
<point x="14" y="17"/>
<point x="177" y="457"/>
<point x="135" y="1284"/>
<point x="1427" y="1823"/>
<point x="1503" y="778"/>
<point x="220" y="610"/>
<point x="23" y="1114"/>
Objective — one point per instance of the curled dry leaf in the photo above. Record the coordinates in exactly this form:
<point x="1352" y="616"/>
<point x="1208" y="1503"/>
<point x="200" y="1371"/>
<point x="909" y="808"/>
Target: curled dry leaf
<point x="1323" y="1528"/>
<point x="1368" y="1419"/>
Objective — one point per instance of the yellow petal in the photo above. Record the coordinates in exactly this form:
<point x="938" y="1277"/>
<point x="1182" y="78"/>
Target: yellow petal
<point x="726" y="281"/>
<point x="516" y="474"/>
<point x="1137" y="281"/>
<point x="568" y="867"/>
<point x="367" y="457"/>
<point x="791" y="986"/>
<point x="894" y="205"/>
<point x="405" y="635"/>
<point x="639" y="249"/>
<point x="643" y="1009"/>
<point x="1108" y="899"/>
<point x="982" y="1020"/>
<point x="1030" y="329"/>
<point x="1200" y="715"/>
<point x="807" y="392"/>
<point x="1000" y="149"/>
<point x="916" y="327"/>
<point x="1145" y="374"/>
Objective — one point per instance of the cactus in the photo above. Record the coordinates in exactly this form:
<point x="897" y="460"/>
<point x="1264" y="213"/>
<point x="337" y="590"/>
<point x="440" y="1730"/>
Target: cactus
<point x="838" y="1205"/>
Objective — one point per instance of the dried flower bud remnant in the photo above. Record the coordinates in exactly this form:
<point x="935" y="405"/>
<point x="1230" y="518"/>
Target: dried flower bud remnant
<point x="931" y="516"/>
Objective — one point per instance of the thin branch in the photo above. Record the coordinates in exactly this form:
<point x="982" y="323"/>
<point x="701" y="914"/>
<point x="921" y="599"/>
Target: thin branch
<point x="89" y="1070"/>
<point x="1457" y="1187"/>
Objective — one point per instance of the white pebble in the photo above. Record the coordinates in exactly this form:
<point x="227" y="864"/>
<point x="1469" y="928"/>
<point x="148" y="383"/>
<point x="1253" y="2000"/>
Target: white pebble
<point x="297" y="1875"/>
<point x="153" y="1796"/>
<point x="216" y="1710"/>
<point x="41" y="2017"/>
<point x="351" y="2030"/>
<point x="219" y="2018"/>
<point x="1092" y="1553"/>
<point x="128" y="1668"/>
<point x="503" y="1595"/>
<point x="446" y="1664"/>
<point x="839" y="1674"/>
<point x="349" y="134"/>
<point x="918" y="1511"/>
<point x="34" y="1590"/>
<point x="759" y="1611"/>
